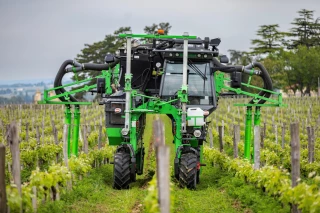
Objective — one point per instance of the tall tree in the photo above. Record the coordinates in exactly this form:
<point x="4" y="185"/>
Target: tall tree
<point x="96" y="52"/>
<point x="304" y="66"/>
<point x="306" y="30"/>
<point x="235" y="56"/>
<point x="244" y="58"/>
<point x="269" y="41"/>
<point x="275" y="63"/>
<point x="163" y="25"/>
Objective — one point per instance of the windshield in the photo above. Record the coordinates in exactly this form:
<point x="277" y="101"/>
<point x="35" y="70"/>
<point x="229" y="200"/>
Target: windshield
<point x="197" y="85"/>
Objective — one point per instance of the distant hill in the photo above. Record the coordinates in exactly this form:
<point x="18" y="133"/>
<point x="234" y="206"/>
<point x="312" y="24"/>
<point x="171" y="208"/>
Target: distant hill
<point x="22" y="83"/>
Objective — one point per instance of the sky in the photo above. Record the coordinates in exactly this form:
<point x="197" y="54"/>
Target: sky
<point x="37" y="36"/>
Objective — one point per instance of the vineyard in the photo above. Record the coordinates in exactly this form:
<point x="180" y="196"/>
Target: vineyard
<point x="50" y="182"/>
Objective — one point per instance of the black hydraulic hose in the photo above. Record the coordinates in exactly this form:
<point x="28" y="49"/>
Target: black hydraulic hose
<point x="58" y="81"/>
<point x="266" y="80"/>
<point x="263" y="74"/>
<point x="89" y="66"/>
<point x="225" y="68"/>
<point x="161" y="44"/>
<point x="99" y="67"/>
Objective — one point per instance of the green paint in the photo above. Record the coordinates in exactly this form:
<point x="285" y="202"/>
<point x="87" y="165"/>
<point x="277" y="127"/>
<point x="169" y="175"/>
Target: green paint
<point x="248" y="130"/>
<point x="154" y="105"/>
<point x="156" y="36"/>
<point x="183" y="94"/>
<point x="114" y="136"/>
<point x="133" y="133"/>
<point x="68" y="122"/>
<point x="85" y="88"/>
<point x="257" y="114"/>
<point x="127" y="79"/>
<point x="108" y="89"/>
<point x="115" y="74"/>
<point x="194" y="143"/>
<point x="201" y="156"/>
<point x="76" y="125"/>
<point x="219" y="85"/>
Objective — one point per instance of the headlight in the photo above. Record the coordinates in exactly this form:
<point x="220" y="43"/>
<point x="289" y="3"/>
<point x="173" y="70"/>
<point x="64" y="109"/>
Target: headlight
<point x="197" y="133"/>
<point x="124" y="131"/>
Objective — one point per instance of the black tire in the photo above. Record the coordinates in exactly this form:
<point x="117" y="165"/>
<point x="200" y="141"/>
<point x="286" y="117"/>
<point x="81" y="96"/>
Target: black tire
<point x="188" y="170"/>
<point x="198" y="176"/>
<point x="121" y="170"/>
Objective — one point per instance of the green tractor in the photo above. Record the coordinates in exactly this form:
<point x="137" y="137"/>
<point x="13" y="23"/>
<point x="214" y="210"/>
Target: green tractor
<point x="179" y="76"/>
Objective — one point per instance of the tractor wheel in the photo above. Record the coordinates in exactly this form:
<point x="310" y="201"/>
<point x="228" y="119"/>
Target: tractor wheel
<point x="188" y="170"/>
<point x="121" y="170"/>
<point x="198" y="177"/>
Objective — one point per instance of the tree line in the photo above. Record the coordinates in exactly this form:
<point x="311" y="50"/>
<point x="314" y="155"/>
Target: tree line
<point x="292" y="58"/>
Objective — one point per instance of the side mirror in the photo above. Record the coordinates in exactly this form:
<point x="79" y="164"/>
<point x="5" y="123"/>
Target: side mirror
<point x="236" y="79"/>
<point x="215" y="42"/>
<point x="224" y="59"/>
<point x="109" y="58"/>
<point x="101" y="84"/>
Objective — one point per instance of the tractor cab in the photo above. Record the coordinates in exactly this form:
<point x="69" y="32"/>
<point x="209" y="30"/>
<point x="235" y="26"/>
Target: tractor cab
<point x="201" y="90"/>
<point x="200" y="81"/>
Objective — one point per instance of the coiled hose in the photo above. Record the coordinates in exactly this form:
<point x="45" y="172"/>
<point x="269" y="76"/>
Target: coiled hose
<point x="78" y="67"/>
<point x="263" y="74"/>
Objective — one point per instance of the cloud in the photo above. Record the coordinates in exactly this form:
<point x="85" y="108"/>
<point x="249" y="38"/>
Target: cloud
<point x="37" y="36"/>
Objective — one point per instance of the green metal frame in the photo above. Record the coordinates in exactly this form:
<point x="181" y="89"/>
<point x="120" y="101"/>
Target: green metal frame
<point x="154" y="105"/>
<point x="155" y="36"/>
<point x="74" y="121"/>
<point x="270" y="102"/>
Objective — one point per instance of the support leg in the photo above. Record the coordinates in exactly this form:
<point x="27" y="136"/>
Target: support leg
<point x="76" y="126"/>
<point x="256" y="123"/>
<point x="68" y="122"/>
<point x="247" y="142"/>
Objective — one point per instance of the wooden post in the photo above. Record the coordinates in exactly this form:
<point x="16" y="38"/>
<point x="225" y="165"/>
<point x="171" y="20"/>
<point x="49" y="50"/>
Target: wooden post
<point x="65" y="144"/>
<point x="55" y="132"/>
<point x="295" y="158"/>
<point x="27" y="131"/>
<point x="56" y="141"/>
<point x="85" y="139"/>
<point x="221" y="137"/>
<point x="37" y="135"/>
<point x="13" y="141"/>
<point x="276" y="133"/>
<point x="256" y="147"/>
<point x="310" y="131"/>
<point x="3" y="195"/>
<point x="2" y="131"/>
<point x="283" y="133"/>
<point x="89" y="128"/>
<point x="222" y="127"/>
<point x="42" y="125"/>
<point x="100" y="137"/>
<point x="236" y="140"/>
<point x="163" y="165"/>
<point x="210" y="137"/>
<point x="32" y="124"/>
<point x="34" y="199"/>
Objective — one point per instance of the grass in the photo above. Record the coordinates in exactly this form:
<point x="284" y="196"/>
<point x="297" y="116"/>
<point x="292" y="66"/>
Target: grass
<point x="95" y="194"/>
<point x="218" y="191"/>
